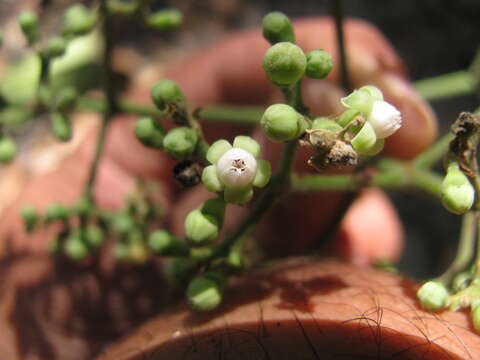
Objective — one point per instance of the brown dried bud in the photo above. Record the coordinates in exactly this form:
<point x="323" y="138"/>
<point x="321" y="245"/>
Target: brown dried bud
<point x="340" y="154"/>
<point x="188" y="173"/>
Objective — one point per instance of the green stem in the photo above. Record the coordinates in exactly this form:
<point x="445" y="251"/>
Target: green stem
<point x="397" y="175"/>
<point x="110" y="104"/>
<point x="465" y="249"/>
<point x="445" y="86"/>
<point x="431" y="156"/>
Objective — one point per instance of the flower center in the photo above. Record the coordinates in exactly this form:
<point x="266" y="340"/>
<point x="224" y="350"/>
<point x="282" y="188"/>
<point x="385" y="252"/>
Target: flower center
<point x="236" y="168"/>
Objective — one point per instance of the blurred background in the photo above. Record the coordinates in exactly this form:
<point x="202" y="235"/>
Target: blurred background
<point x="433" y="38"/>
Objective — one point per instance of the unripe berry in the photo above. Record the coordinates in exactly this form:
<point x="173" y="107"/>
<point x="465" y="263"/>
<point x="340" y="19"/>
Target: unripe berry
<point x="201" y="228"/>
<point x="94" y="235"/>
<point x="204" y="293"/>
<point x="319" y="64"/>
<point x="281" y="122"/>
<point x="165" y="19"/>
<point x="433" y="296"/>
<point x="284" y="63"/>
<point x="277" y="27"/>
<point x="8" y="149"/>
<point x="28" y="22"/>
<point x="78" y="20"/>
<point x="122" y="224"/>
<point x="75" y="248"/>
<point x="61" y="127"/>
<point x="164" y="243"/>
<point x="180" y="142"/>
<point x="457" y="191"/>
<point x="166" y="92"/>
<point x="56" y="212"/>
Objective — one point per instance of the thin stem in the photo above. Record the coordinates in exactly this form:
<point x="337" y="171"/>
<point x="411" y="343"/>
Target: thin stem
<point x="110" y="105"/>
<point x="337" y="10"/>
<point x="445" y="86"/>
<point x="465" y="249"/>
<point x="431" y="156"/>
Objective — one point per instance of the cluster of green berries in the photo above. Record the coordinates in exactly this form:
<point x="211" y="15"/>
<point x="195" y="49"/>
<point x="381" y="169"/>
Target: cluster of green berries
<point x="457" y="192"/>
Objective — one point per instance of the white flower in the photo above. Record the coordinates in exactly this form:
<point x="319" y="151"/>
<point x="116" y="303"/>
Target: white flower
<point x="385" y="119"/>
<point x="236" y="168"/>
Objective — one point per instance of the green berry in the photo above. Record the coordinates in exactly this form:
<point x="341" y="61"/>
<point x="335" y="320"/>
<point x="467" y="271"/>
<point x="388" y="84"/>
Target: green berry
<point x="164" y="243"/>
<point x="56" y="47"/>
<point x="56" y="212"/>
<point x="28" y="22"/>
<point x="204" y="294"/>
<point x="8" y="149"/>
<point x="433" y="296"/>
<point x="277" y="27"/>
<point x="457" y="192"/>
<point x="281" y="122"/>
<point x="78" y="20"/>
<point x="94" y="235"/>
<point x="122" y="224"/>
<point x="75" y="248"/>
<point x="149" y="132"/>
<point x="165" y="19"/>
<point x="180" y="142"/>
<point x="30" y="217"/>
<point x="61" y="127"/>
<point x="121" y="7"/>
<point x="319" y="64"/>
<point x="83" y="206"/>
<point x="166" y="92"/>
<point x="284" y="63"/>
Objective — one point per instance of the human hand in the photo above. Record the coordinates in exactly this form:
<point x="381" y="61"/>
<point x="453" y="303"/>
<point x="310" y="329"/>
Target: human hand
<point x="229" y="72"/>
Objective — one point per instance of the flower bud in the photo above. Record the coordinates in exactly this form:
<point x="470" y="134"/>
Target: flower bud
<point x="204" y="293"/>
<point x="149" y="132"/>
<point x="277" y="27"/>
<point x="56" y="212"/>
<point x="94" y="235"/>
<point x="78" y="20"/>
<point x="28" y="22"/>
<point x="61" y="126"/>
<point x="284" y="63"/>
<point x="433" y="296"/>
<point x="56" y="47"/>
<point x="164" y="243"/>
<point x="281" y="122"/>
<point x="30" y="217"/>
<point x="121" y="7"/>
<point x="365" y="140"/>
<point x="385" y="119"/>
<point x="75" y="248"/>
<point x="319" y="64"/>
<point x="8" y="149"/>
<point x="180" y="142"/>
<point x="457" y="191"/>
<point x="202" y="225"/>
<point x="166" y="92"/>
<point x="165" y="19"/>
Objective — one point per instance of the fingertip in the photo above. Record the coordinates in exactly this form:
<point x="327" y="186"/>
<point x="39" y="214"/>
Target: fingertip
<point x="370" y="230"/>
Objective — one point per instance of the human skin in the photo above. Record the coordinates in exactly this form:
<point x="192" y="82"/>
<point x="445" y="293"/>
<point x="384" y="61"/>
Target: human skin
<point x="306" y="308"/>
<point x="56" y="309"/>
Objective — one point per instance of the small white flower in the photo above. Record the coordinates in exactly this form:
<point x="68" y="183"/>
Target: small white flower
<point x="385" y="119"/>
<point x="236" y="168"/>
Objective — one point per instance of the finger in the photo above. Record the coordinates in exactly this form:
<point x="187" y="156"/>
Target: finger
<point x="369" y="231"/>
<point x="306" y="309"/>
